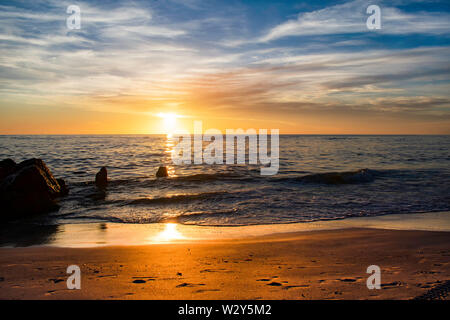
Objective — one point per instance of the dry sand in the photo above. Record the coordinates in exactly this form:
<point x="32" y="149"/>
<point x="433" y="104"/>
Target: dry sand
<point x="302" y="265"/>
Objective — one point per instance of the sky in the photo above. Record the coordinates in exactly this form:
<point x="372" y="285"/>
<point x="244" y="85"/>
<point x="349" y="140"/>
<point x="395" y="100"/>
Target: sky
<point x="307" y="67"/>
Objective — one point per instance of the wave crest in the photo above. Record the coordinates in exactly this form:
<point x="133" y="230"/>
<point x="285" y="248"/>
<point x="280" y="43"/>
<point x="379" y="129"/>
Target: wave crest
<point x="177" y="198"/>
<point x="346" y="177"/>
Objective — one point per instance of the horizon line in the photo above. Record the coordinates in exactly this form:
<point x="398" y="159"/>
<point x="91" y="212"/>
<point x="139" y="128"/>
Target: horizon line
<point x="281" y="134"/>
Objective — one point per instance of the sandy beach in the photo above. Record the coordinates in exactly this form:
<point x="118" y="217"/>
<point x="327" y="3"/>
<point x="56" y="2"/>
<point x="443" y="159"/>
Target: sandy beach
<point x="327" y="264"/>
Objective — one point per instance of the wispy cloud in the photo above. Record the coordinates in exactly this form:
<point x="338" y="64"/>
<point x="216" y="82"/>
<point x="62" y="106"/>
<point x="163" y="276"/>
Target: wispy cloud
<point x="350" y="17"/>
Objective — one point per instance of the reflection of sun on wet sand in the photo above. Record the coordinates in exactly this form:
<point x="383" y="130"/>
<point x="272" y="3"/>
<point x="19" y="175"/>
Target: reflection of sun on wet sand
<point x="170" y="233"/>
<point x="303" y="265"/>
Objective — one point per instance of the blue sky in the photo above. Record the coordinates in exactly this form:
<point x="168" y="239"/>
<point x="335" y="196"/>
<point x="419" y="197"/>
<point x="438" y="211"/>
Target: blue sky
<point x="295" y="65"/>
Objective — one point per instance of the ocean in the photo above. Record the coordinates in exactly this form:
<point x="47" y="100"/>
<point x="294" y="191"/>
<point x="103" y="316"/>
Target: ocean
<point x="392" y="175"/>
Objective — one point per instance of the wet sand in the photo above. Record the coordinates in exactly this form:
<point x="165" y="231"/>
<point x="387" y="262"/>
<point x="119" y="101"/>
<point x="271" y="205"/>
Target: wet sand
<point x="328" y="264"/>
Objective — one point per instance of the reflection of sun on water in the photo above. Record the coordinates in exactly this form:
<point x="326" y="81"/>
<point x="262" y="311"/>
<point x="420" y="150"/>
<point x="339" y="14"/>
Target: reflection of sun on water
<point x="169" y="149"/>
<point x="169" y="233"/>
<point x="169" y="145"/>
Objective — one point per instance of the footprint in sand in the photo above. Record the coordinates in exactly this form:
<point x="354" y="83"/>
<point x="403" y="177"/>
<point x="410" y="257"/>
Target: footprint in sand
<point x="427" y="272"/>
<point x="275" y="284"/>
<point x="185" y="284"/>
<point x="439" y="292"/>
<point x="216" y="270"/>
<point x="391" y="285"/>
<point x="347" y="280"/>
<point x="296" y="286"/>
<point x="268" y="279"/>
<point x="205" y="290"/>
<point x="146" y="278"/>
<point x="49" y="293"/>
<point x="139" y="281"/>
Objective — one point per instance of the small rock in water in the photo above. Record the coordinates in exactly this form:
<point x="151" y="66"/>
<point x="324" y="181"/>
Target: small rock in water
<point x="101" y="178"/>
<point x="162" y="172"/>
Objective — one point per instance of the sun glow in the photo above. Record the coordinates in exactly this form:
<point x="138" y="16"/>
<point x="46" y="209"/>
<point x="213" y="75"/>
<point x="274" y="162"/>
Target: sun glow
<point x="169" y="122"/>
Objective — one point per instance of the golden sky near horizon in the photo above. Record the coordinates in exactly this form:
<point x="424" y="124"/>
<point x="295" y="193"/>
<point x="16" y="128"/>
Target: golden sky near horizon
<point x="270" y="65"/>
<point x="71" y="121"/>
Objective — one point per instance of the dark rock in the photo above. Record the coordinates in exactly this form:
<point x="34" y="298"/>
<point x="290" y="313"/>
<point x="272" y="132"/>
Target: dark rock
<point x="7" y="167"/>
<point x="33" y="174"/>
<point x="101" y="178"/>
<point x="162" y="172"/>
<point x="28" y="189"/>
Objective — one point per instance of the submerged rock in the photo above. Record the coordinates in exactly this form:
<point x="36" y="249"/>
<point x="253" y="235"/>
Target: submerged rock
<point x="162" y="172"/>
<point x="101" y="178"/>
<point x="98" y="194"/>
<point x="28" y="188"/>
<point x="63" y="186"/>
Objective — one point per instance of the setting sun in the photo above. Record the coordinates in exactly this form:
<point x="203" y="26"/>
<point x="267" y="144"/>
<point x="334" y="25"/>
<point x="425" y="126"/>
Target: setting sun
<point x="169" y="122"/>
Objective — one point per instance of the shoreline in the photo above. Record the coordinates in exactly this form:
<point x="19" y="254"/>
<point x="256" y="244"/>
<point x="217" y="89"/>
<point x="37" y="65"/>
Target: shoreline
<point x="325" y="264"/>
<point x="86" y="235"/>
